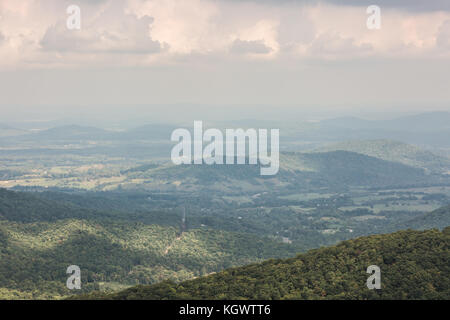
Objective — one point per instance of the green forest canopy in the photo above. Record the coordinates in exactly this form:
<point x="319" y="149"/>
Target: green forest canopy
<point x="414" y="265"/>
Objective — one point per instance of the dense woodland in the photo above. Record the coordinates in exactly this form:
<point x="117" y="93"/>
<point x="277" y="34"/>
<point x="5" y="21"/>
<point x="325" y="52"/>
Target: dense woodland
<point x="414" y="265"/>
<point x="40" y="238"/>
<point x="41" y="234"/>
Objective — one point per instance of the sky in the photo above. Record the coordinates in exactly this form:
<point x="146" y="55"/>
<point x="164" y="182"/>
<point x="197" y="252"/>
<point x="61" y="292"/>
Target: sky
<point x="223" y="54"/>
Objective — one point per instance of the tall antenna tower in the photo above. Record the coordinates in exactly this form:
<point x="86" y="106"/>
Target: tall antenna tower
<point x="183" y="221"/>
<point x="183" y="217"/>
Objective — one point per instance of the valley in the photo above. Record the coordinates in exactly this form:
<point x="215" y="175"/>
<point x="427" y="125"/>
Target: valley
<point x="112" y="203"/>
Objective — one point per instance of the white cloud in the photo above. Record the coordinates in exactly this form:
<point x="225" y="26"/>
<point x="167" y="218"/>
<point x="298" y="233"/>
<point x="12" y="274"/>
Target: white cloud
<point x="139" y="32"/>
<point x="130" y="36"/>
<point x="246" y="47"/>
<point x="187" y="26"/>
<point x="443" y="36"/>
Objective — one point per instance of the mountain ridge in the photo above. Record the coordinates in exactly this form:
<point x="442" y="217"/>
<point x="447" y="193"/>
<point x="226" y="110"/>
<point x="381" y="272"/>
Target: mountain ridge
<point x="414" y="265"/>
<point x="395" y="151"/>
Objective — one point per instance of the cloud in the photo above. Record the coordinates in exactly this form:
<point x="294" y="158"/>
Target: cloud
<point x="443" y="37"/>
<point x="169" y="32"/>
<point x="91" y="2"/>
<point x="408" y="5"/>
<point x="131" y="35"/>
<point x="186" y="26"/>
<point x="330" y="45"/>
<point x="245" y="47"/>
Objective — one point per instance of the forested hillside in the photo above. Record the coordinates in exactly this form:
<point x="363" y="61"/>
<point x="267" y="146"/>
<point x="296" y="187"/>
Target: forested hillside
<point x="302" y="170"/>
<point x="438" y="218"/>
<point x="414" y="265"/>
<point x="40" y="238"/>
<point x="394" y="151"/>
<point x="122" y="239"/>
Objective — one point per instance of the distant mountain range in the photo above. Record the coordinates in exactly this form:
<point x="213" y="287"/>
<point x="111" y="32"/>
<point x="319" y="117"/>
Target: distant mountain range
<point x="430" y="121"/>
<point x="431" y="128"/>
<point x="8" y="131"/>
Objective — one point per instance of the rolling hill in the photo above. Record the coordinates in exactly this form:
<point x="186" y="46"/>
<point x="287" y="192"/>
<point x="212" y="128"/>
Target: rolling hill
<point x="438" y="218"/>
<point x="394" y="151"/>
<point x="69" y="133"/>
<point x="40" y="238"/>
<point x="333" y="170"/>
<point x="8" y="131"/>
<point x="431" y="129"/>
<point x="414" y="265"/>
<point x="426" y="122"/>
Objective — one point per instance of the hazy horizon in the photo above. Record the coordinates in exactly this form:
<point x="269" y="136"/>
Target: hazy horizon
<point x="126" y="116"/>
<point x="307" y="58"/>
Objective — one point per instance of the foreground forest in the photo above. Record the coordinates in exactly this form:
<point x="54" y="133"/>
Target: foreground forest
<point x="40" y="238"/>
<point x="414" y="265"/>
<point x="41" y="234"/>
